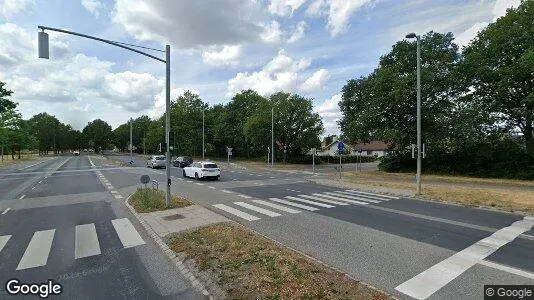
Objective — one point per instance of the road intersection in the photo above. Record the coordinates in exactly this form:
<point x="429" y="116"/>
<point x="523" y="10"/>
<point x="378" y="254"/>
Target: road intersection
<point x="395" y="243"/>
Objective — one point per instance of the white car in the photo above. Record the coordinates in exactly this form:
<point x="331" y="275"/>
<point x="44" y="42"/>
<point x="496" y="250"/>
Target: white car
<point x="76" y="153"/>
<point x="202" y="169"/>
<point x="156" y="161"/>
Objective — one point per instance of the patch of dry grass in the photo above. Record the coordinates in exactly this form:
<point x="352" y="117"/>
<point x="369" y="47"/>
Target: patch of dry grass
<point x="252" y="267"/>
<point x="499" y="197"/>
<point x="24" y="157"/>
<point x="149" y="200"/>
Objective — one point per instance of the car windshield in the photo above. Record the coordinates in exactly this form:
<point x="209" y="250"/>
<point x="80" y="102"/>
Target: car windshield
<point x="160" y="157"/>
<point x="210" y="166"/>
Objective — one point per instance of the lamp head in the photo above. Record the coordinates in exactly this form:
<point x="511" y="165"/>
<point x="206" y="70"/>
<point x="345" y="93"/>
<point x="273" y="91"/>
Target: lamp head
<point x="42" y="42"/>
<point x="411" y="35"/>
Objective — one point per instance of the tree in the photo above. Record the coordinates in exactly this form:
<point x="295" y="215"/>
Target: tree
<point x="382" y="106"/>
<point x="98" y="134"/>
<point x="46" y="128"/>
<point x="186" y="121"/>
<point x="498" y="67"/>
<point x="297" y="127"/>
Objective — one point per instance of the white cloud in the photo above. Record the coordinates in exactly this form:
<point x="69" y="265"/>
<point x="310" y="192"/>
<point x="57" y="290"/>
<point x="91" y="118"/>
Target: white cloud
<point x="465" y="37"/>
<point x="93" y="6"/>
<point x="316" y="81"/>
<point x="191" y="24"/>
<point x="272" y="33"/>
<point x="284" y="7"/>
<point x="339" y="12"/>
<point x="298" y="33"/>
<point x="330" y="114"/>
<point x="228" y="55"/>
<point x="498" y="10"/>
<point x="72" y="86"/>
<point x="281" y="73"/>
<point x="11" y="7"/>
<point x="500" y="7"/>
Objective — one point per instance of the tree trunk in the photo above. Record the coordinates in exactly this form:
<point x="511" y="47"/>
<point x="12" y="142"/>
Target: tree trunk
<point x="529" y="139"/>
<point x="19" y="152"/>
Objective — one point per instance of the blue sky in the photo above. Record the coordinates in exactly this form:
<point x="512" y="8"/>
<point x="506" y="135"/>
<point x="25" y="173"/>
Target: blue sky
<point x="309" y="47"/>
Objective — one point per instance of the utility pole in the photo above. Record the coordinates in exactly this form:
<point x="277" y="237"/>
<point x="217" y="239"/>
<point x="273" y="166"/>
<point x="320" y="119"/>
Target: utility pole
<point x="131" y="144"/>
<point x="203" y="147"/>
<point x="272" y="135"/>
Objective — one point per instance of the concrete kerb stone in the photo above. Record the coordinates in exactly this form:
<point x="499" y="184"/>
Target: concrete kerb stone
<point x="177" y="260"/>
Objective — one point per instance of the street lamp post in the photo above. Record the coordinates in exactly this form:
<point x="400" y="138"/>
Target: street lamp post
<point x="131" y="143"/>
<point x="272" y="136"/>
<point x="203" y="148"/>
<point x="43" y="47"/>
<point x="418" y="174"/>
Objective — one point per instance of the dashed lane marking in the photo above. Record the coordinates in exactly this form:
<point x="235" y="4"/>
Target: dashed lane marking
<point x="118" y="197"/>
<point x="5" y="211"/>
<point x="22" y="197"/>
<point x="244" y="196"/>
<point x="227" y="191"/>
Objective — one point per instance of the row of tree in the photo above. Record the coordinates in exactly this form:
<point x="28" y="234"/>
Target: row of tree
<point x="244" y="124"/>
<point x="473" y="100"/>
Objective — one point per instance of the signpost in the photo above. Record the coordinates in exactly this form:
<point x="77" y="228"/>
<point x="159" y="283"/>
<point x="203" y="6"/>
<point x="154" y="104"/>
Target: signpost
<point x="229" y="152"/>
<point x="313" y="159"/>
<point x="340" y="150"/>
<point x="145" y="179"/>
<point x="268" y="154"/>
<point x="360" y="154"/>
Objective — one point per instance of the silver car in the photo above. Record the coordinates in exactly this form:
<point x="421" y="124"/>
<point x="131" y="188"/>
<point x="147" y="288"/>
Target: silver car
<point x="156" y="161"/>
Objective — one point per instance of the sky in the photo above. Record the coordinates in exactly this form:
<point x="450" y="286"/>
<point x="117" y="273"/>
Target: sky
<point x="218" y="48"/>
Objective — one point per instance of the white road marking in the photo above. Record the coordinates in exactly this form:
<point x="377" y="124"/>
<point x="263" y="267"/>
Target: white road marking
<point x="258" y="209"/>
<point x="504" y="268"/>
<point x="279" y="207"/>
<point x="372" y="194"/>
<point x="35" y="164"/>
<point x="236" y="212"/>
<point x="33" y="188"/>
<point x="114" y="192"/>
<point x="36" y="254"/>
<point x="86" y="241"/>
<point x="309" y="202"/>
<point x="433" y="279"/>
<point x="40" y="182"/>
<point x="211" y="187"/>
<point x="322" y="198"/>
<point x="189" y="181"/>
<point x="181" y="179"/>
<point x="234" y="179"/>
<point x="272" y="177"/>
<point x="227" y="191"/>
<point x="118" y="197"/>
<point x="294" y="191"/>
<point x="198" y="183"/>
<point x="306" y="207"/>
<point x="5" y="211"/>
<point x="352" y="197"/>
<point x="3" y="241"/>
<point x="45" y="177"/>
<point x="91" y="162"/>
<point x="348" y="200"/>
<point x="22" y="197"/>
<point x="127" y="234"/>
<point x="244" y="196"/>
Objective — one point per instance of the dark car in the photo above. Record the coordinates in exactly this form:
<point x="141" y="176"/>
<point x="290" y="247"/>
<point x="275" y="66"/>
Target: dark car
<point x="182" y="161"/>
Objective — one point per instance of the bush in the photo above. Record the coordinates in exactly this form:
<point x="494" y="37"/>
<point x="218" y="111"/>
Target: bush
<point x="148" y="200"/>
<point x="493" y="158"/>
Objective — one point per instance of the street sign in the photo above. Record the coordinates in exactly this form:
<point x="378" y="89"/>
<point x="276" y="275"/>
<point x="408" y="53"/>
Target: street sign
<point x="145" y="179"/>
<point x="341" y="147"/>
<point x="229" y="151"/>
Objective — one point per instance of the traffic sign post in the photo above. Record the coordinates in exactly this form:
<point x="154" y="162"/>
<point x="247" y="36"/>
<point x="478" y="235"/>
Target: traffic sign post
<point x="229" y="152"/>
<point x="313" y="159"/>
<point x="268" y="154"/>
<point x="340" y="150"/>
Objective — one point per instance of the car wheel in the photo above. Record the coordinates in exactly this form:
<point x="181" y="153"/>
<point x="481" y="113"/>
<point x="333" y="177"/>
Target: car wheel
<point x="183" y="174"/>
<point x="196" y="176"/>
<point x="217" y="178"/>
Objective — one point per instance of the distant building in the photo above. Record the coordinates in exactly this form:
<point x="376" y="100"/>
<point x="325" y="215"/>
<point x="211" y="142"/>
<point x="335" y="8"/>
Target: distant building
<point x="374" y="148"/>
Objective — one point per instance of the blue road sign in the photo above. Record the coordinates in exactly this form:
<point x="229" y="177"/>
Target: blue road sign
<point x="340" y="147"/>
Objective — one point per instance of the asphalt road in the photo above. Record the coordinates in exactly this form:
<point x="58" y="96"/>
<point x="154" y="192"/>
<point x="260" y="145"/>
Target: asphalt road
<point x="59" y="221"/>
<point x="407" y="247"/>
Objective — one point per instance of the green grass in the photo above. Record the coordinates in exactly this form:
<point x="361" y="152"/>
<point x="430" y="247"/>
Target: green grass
<point x="149" y="200"/>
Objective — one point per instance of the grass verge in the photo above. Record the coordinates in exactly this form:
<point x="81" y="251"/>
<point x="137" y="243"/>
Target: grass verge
<point x="249" y="266"/>
<point x="24" y="157"/>
<point x="509" y="199"/>
<point x="149" y="200"/>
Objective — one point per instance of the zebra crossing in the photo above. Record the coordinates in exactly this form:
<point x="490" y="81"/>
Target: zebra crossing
<point x="275" y="207"/>
<point x="86" y="242"/>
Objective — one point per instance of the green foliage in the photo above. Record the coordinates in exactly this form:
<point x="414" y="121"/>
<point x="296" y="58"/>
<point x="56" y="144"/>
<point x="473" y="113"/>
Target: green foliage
<point x="98" y="134"/>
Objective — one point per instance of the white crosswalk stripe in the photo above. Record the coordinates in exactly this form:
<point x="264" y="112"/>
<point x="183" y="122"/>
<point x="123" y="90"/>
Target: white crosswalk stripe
<point x="127" y="234"/>
<point x="294" y="204"/>
<point x="258" y="209"/>
<point x="309" y="202"/>
<point x="36" y="254"/>
<point x="236" y="212"/>
<point x="322" y="198"/>
<point x="86" y="242"/>
<point x="279" y="207"/>
<point x="372" y="194"/>
<point x="353" y="197"/>
<point x="3" y="241"/>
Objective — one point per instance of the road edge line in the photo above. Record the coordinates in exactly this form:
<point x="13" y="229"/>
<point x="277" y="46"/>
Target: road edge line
<point x="197" y="284"/>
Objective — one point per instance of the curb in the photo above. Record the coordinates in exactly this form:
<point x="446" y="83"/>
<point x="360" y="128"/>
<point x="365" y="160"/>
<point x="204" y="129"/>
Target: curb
<point x="178" y="260"/>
